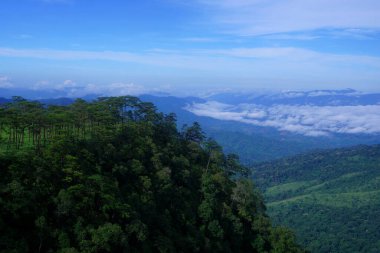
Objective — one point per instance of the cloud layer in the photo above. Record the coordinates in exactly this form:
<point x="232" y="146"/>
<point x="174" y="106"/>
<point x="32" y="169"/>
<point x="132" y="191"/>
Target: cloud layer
<point x="280" y="66"/>
<point x="306" y="120"/>
<point x="70" y="88"/>
<point x="5" y="82"/>
<point x="291" y="44"/>
<point x="261" y="17"/>
<point x="196" y="56"/>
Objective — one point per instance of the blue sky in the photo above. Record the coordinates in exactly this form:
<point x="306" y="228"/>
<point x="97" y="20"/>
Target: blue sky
<point x="180" y="46"/>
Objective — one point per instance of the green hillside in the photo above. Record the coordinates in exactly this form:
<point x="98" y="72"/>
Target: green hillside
<point x="330" y="198"/>
<point x="114" y="175"/>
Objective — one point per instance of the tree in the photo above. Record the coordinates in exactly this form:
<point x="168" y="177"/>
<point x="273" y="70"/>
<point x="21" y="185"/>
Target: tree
<point x="123" y="179"/>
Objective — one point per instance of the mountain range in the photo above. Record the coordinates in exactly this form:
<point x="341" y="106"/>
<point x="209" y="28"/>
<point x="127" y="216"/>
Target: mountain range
<point x="263" y="126"/>
<point x="299" y="147"/>
<point x="315" y="97"/>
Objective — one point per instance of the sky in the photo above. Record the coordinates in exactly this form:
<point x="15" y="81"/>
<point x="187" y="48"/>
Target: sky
<point x="189" y="46"/>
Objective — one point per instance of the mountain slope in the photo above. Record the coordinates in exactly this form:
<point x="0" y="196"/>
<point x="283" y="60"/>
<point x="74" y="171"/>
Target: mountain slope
<point x="330" y="198"/>
<point x="115" y="175"/>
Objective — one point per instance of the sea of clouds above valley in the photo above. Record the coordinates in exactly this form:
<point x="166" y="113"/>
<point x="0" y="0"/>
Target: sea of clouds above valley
<point x="307" y="120"/>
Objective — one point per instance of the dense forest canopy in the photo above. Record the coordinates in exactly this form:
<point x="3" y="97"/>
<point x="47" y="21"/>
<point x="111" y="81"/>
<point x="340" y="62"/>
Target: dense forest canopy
<point x="330" y="198"/>
<point x="114" y="175"/>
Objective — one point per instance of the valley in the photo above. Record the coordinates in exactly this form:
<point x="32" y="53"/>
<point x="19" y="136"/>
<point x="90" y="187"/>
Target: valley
<point x="330" y="198"/>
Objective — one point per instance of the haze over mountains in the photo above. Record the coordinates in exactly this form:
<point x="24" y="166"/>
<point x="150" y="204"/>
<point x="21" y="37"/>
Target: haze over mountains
<point x="313" y="113"/>
<point x="261" y="126"/>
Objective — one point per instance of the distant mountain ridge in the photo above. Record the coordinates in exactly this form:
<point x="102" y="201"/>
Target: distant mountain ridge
<point x="256" y="143"/>
<point x="315" y="97"/>
<point x="252" y="143"/>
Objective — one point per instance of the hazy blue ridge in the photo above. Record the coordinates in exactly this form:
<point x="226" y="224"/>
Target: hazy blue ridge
<point x="252" y="143"/>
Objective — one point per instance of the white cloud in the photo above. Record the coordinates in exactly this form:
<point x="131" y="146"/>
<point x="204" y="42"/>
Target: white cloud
<point x="114" y="89"/>
<point x="199" y="58"/>
<point x="68" y="83"/>
<point x="280" y="66"/>
<point x="70" y="88"/>
<point x="40" y="85"/>
<point x="353" y="33"/>
<point x="292" y="94"/>
<point x="262" y="17"/>
<point x="306" y="120"/>
<point x="5" y="82"/>
<point x="265" y="52"/>
<point x="291" y="36"/>
<point x="117" y="89"/>
<point x="69" y="54"/>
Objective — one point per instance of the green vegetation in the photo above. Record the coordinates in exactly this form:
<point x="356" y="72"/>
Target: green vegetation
<point x="114" y="175"/>
<point x="330" y="198"/>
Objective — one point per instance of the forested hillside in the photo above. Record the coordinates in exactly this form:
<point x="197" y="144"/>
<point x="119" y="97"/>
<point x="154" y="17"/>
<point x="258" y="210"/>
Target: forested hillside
<point x="330" y="198"/>
<point x="114" y="175"/>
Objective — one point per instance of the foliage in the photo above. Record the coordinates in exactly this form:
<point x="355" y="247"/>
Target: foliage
<point x="114" y="175"/>
<point x="330" y="198"/>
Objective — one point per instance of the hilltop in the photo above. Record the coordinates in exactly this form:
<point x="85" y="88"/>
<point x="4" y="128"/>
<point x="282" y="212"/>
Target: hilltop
<point x="114" y="175"/>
